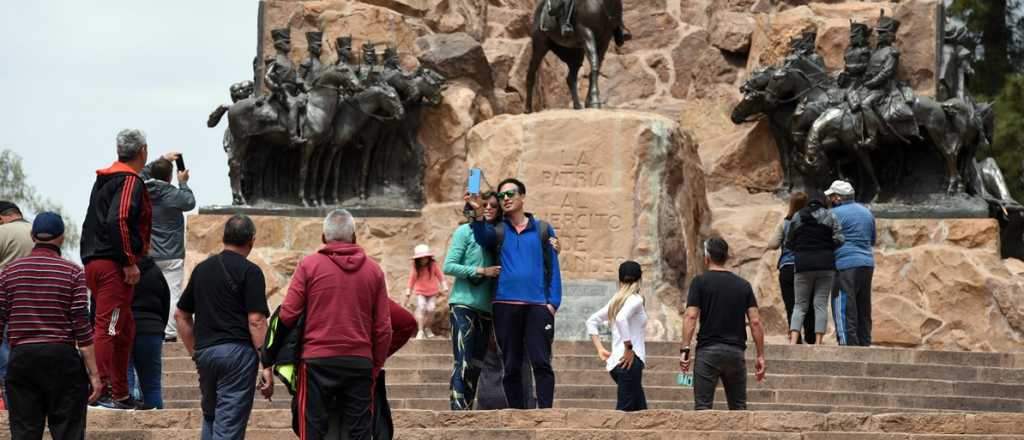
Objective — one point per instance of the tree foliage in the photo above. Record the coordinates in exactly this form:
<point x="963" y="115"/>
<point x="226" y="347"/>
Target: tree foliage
<point x="14" y="187"/>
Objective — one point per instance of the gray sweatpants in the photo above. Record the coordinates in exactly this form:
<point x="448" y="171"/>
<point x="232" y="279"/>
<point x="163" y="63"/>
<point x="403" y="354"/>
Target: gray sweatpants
<point x="816" y="284"/>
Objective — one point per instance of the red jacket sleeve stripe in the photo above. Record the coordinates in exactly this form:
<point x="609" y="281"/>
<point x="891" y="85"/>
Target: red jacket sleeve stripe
<point x="122" y="217"/>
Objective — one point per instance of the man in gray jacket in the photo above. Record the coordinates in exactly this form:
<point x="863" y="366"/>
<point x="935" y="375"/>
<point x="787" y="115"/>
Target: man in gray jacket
<point x="168" y="242"/>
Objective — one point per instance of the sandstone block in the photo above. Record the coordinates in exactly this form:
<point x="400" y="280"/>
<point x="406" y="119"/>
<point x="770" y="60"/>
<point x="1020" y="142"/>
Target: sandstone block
<point x="731" y="31"/>
<point x="994" y="424"/>
<point x="788" y="422"/>
<point x="922" y="423"/>
<point x="643" y="199"/>
<point x="456" y="56"/>
<point x="852" y="422"/>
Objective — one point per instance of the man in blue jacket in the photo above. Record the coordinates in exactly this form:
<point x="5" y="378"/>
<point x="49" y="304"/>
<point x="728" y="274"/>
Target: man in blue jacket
<point x="855" y="264"/>
<point x="528" y="293"/>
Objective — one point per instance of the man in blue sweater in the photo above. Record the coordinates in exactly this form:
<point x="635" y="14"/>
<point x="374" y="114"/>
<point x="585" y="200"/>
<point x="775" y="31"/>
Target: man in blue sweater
<point x="528" y="292"/>
<point x="855" y="264"/>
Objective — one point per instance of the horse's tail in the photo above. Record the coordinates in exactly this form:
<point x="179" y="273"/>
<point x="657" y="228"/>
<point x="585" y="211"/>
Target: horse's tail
<point x="216" y="115"/>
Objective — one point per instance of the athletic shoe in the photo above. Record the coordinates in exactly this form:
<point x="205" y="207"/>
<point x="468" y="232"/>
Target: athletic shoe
<point x="106" y="402"/>
<point x="141" y="406"/>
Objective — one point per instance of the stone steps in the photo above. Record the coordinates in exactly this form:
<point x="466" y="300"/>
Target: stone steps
<point x="803" y="378"/>
<point x="580" y="424"/>
<point x="403" y="377"/>
<point x="885" y="355"/>
<point x="1009" y="376"/>
<point x="435" y="397"/>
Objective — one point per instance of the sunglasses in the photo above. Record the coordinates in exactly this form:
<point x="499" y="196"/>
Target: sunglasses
<point x="507" y="194"/>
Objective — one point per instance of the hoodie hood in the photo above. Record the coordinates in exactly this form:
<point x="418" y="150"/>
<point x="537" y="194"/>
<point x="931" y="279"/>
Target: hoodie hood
<point x="116" y="168"/>
<point x="347" y="256"/>
<point x="158" y="189"/>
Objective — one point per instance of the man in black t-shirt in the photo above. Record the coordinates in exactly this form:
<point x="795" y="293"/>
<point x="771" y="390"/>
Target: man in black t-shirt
<point x="723" y="302"/>
<point x="226" y="295"/>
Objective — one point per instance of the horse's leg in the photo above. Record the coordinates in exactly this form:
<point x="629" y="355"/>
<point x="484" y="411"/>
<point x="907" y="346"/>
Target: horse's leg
<point x="540" y="48"/>
<point x="323" y="166"/>
<point x="304" y="160"/>
<point x="239" y="148"/>
<point x="869" y="169"/>
<point x="590" y="50"/>
<point x="364" y="171"/>
<point x="573" y="59"/>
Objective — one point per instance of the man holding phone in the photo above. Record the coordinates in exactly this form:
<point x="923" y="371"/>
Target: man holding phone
<point x="723" y="302"/>
<point x="169" y="206"/>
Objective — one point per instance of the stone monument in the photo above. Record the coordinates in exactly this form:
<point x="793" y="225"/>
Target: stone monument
<point x="645" y="181"/>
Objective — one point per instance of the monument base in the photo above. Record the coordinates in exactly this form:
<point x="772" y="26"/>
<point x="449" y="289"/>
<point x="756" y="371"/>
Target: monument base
<point x="312" y="211"/>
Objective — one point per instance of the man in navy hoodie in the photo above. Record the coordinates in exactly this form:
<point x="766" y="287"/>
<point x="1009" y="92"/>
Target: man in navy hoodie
<point x="528" y="293"/>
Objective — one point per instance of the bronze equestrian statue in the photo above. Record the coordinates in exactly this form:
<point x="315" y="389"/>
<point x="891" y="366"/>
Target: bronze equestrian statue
<point x="585" y="31"/>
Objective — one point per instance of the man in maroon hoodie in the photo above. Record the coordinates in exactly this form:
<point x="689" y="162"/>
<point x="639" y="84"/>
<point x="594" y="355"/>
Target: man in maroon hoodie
<point x="347" y="333"/>
<point x="115" y="237"/>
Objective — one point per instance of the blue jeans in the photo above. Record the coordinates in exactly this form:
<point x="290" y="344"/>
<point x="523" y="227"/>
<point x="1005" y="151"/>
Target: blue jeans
<point x="227" y="380"/>
<point x="144" y="369"/>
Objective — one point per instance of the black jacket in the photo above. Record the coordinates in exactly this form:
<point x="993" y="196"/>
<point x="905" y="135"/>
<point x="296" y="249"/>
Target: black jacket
<point x="814" y="235"/>
<point x="119" y="218"/>
<point x="152" y="301"/>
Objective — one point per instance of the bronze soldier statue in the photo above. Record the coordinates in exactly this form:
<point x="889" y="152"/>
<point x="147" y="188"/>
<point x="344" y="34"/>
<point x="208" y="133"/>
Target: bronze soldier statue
<point x="884" y="104"/>
<point x="283" y="82"/>
<point x="310" y="68"/>
<point x="368" y="71"/>
<point x="803" y="47"/>
<point x="345" y="54"/>
<point x="955" y="70"/>
<point x="857" y="56"/>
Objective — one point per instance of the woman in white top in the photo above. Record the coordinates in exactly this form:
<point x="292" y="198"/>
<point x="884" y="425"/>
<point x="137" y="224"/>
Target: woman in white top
<point x="627" y="319"/>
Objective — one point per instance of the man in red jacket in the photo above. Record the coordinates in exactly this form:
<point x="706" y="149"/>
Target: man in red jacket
<point x="115" y="237"/>
<point x="347" y="333"/>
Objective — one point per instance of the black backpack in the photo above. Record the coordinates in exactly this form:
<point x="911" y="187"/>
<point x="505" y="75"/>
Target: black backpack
<point x="544" y="233"/>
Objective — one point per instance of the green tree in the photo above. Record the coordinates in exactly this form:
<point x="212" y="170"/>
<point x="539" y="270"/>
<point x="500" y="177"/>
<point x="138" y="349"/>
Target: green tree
<point x="1008" y="145"/>
<point x="14" y="187"/>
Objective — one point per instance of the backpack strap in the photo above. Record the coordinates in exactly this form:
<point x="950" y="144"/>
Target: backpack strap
<point x="232" y="285"/>
<point x="544" y="233"/>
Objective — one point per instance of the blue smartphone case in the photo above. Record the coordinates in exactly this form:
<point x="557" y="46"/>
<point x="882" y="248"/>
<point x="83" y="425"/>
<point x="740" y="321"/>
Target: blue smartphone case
<point x="474" y="181"/>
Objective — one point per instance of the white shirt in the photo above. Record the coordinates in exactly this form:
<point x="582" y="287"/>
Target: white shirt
<point x="630" y="325"/>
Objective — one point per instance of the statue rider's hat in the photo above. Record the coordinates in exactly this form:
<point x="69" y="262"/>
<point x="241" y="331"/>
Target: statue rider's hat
<point x="859" y="29"/>
<point x="887" y="24"/>
<point x="283" y="34"/>
<point x="344" y="41"/>
<point x="314" y="37"/>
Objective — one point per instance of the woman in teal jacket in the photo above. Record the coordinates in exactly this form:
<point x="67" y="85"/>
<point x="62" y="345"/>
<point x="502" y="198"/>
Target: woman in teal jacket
<point x="474" y="270"/>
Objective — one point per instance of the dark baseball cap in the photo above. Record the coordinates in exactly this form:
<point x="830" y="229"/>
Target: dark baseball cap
<point x="7" y="206"/>
<point x="630" y="271"/>
<point x="47" y="226"/>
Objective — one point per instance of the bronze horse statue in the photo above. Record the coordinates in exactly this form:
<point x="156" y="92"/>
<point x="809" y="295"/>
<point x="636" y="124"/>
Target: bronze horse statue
<point x="594" y="23"/>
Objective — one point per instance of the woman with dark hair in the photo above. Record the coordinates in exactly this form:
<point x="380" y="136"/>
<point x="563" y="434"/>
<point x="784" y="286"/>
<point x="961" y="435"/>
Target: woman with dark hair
<point x="797" y="201"/>
<point x="474" y="270"/>
<point x="814" y="234"/>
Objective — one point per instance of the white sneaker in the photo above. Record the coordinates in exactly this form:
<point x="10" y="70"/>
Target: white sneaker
<point x="430" y="334"/>
<point x="419" y="335"/>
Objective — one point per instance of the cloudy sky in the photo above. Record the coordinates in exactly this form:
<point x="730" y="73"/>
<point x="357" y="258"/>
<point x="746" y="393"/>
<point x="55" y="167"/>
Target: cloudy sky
<point x="74" y="73"/>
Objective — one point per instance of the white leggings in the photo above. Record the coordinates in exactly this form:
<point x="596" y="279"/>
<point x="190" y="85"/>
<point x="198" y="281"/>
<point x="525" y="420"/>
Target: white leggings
<point x="425" y="305"/>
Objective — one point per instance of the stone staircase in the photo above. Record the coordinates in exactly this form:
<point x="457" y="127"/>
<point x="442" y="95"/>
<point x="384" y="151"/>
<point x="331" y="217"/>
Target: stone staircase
<point x="823" y="392"/>
<point x="800" y="378"/>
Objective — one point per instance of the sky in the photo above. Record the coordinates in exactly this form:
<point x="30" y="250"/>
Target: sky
<point x="74" y="73"/>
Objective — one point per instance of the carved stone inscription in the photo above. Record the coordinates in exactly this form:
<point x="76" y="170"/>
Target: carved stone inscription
<point x="593" y="218"/>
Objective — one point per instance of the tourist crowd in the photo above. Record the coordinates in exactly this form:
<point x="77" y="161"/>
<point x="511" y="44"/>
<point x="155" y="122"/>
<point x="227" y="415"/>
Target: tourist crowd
<point x="94" y="335"/>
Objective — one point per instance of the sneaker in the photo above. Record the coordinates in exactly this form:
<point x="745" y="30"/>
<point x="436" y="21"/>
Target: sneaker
<point x="140" y="405"/>
<point x="419" y="335"/>
<point x="106" y="402"/>
<point x="429" y="333"/>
